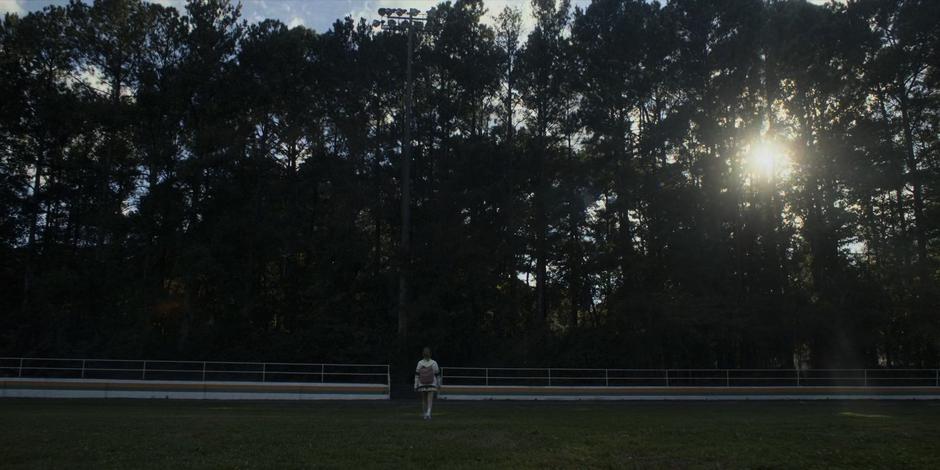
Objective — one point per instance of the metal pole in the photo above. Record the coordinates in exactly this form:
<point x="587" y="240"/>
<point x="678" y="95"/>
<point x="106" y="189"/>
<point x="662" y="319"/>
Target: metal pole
<point x="937" y="372"/>
<point x="606" y="378"/>
<point x="20" y="373"/>
<point x="203" y="371"/>
<point x="866" y="378"/>
<point x="406" y="199"/>
<point x="486" y="373"/>
<point x="264" y="371"/>
<point x="143" y="374"/>
<point x="798" y="377"/>
<point x="83" y="368"/>
<point x="727" y="378"/>
<point x="549" y="377"/>
<point x="321" y="373"/>
<point x="667" y="377"/>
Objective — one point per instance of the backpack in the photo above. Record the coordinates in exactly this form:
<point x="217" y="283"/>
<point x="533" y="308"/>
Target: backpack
<point x="426" y="375"/>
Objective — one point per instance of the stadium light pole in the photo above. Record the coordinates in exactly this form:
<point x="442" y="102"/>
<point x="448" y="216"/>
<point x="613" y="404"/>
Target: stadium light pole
<point x="410" y="21"/>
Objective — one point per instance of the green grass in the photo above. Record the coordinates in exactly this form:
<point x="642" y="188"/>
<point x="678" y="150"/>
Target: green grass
<point x="130" y="434"/>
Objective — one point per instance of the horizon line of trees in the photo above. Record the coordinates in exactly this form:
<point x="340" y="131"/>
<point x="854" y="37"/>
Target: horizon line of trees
<point x="185" y="184"/>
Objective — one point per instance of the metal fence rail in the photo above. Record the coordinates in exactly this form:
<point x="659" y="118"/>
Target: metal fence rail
<point x="549" y="377"/>
<point x="194" y="371"/>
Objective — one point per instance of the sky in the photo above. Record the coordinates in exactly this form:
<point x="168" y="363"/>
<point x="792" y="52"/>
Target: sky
<point x="316" y="14"/>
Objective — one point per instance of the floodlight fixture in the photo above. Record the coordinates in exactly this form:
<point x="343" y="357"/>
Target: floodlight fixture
<point x="396" y="20"/>
<point x="400" y="19"/>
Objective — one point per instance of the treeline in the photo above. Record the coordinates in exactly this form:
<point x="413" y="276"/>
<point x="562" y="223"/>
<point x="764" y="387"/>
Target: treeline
<point x="732" y="183"/>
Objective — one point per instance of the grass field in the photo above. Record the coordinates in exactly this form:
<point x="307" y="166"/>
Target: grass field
<point x="206" y="434"/>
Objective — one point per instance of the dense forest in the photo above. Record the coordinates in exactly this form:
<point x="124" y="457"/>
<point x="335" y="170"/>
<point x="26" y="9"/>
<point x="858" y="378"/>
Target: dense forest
<point x="700" y="183"/>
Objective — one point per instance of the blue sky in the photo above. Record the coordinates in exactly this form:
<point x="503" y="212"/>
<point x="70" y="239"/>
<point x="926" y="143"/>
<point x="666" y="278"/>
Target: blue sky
<point x="316" y="14"/>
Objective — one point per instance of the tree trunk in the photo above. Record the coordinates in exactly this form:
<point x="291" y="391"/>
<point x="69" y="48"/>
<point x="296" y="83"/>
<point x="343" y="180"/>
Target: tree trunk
<point x="920" y="232"/>
<point x="33" y="229"/>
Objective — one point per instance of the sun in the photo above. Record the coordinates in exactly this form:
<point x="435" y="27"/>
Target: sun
<point x="768" y="159"/>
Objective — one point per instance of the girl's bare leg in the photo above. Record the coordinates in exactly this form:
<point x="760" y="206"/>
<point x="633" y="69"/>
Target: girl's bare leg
<point x="424" y="403"/>
<point x="430" y="402"/>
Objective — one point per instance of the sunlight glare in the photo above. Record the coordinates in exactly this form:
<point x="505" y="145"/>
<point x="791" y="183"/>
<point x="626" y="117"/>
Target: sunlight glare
<point x="767" y="159"/>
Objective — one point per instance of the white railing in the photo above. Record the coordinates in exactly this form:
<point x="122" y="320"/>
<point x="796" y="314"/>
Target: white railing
<point x="195" y="371"/>
<point x="549" y="377"/>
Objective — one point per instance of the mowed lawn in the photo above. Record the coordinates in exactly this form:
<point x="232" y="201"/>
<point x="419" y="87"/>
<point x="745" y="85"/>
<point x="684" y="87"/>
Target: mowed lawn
<point x="130" y="434"/>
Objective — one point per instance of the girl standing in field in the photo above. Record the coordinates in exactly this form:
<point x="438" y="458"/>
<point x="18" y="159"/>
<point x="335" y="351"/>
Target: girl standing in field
<point x="427" y="381"/>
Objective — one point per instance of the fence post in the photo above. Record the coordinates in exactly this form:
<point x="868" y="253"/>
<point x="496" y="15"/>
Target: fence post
<point x="727" y="378"/>
<point x="203" y="371"/>
<point x="866" y="378"/>
<point x="143" y="374"/>
<point x="549" y="377"/>
<point x="322" y="368"/>
<point x="486" y="374"/>
<point x="20" y="373"/>
<point x="264" y="371"/>
<point x="606" y="378"/>
<point x="83" y="368"/>
<point x="667" y="377"/>
<point x="938" y="376"/>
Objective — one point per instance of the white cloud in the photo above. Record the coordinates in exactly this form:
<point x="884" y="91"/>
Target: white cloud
<point x="369" y="9"/>
<point x="179" y="5"/>
<point x="295" y="21"/>
<point x="495" y="7"/>
<point x="12" y="6"/>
